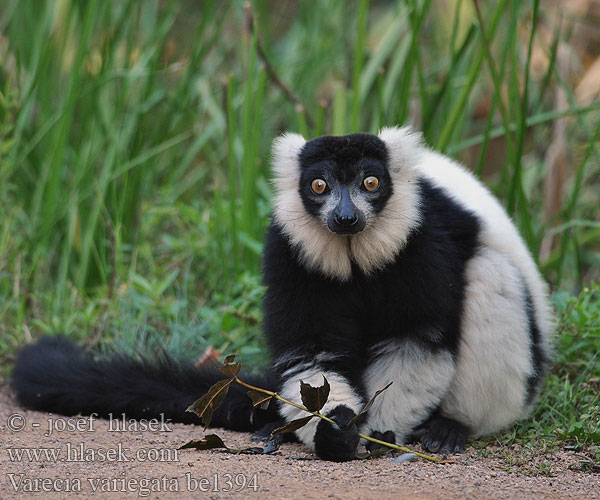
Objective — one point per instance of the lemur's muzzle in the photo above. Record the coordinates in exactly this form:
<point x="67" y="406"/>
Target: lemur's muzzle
<point x="346" y="218"/>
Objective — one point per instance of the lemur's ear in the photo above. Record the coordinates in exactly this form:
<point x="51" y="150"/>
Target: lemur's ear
<point x="285" y="151"/>
<point x="405" y="146"/>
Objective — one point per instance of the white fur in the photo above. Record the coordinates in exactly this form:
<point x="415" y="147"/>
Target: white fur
<point x="420" y="380"/>
<point x="341" y="393"/>
<point x="383" y="237"/>
<point x="494" y="358"/>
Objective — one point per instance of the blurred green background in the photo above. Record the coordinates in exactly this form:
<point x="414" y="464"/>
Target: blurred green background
<point x="134" y="154"/>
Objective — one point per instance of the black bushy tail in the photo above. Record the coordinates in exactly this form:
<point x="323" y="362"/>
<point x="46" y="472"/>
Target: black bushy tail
<point x="55" y="375"/>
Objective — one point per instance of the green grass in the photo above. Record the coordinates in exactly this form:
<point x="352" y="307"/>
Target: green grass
<point x="134" y="158"/>
<point x="570" y="405"/>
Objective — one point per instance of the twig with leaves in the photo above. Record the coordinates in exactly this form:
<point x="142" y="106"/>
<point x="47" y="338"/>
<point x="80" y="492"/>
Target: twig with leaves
<point x="313" y="399"/>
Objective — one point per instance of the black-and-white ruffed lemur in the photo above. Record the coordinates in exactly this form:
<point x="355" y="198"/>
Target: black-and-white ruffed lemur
<point x="384" y="262"/>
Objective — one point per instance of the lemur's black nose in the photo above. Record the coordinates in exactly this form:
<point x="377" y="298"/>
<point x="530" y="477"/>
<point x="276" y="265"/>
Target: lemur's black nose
<point x="346" y="219"/>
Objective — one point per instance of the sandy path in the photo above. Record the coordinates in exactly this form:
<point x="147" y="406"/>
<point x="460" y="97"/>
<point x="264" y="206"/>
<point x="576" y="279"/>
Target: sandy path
<point x="132" y="463"/>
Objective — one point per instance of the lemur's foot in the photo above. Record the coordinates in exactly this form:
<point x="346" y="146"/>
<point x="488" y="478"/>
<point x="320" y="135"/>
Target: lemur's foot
<point x="445" y="435"/>
<point x="388" y="437"/>
<point x="264" y="433"/>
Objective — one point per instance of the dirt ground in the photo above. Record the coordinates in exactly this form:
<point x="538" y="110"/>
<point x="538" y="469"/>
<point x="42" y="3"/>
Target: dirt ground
<point x="80" y="458"/>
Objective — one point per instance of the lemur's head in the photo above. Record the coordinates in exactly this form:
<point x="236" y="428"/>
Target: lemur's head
<point x="344" y="180"/>
<point x="345" y="199"/>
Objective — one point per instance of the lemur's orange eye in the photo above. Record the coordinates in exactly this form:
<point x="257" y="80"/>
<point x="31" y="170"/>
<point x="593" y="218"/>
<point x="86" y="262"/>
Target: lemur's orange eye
<point x="318" y="186"/>
<point x="371" y="183"/>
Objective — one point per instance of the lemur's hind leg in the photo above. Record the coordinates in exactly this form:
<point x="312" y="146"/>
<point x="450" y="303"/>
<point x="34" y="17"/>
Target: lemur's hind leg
<point x="495" y="363"/>
<point x="420" y="380"/>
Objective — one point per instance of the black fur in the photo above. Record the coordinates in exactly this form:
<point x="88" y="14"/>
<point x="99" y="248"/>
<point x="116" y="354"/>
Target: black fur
<point x="57" y="376"/>
<point x="337" y="444"/>
<point x="539" y="359"/>
<point x="344" y="160"/>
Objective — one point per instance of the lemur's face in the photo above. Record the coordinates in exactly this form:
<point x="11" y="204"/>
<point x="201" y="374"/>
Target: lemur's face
<point x="344" y="181"/>
<point x="345" y="200"/>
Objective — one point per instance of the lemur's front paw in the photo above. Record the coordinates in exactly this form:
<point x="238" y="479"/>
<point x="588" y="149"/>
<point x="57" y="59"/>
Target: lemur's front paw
<point x="337" y="444"/>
